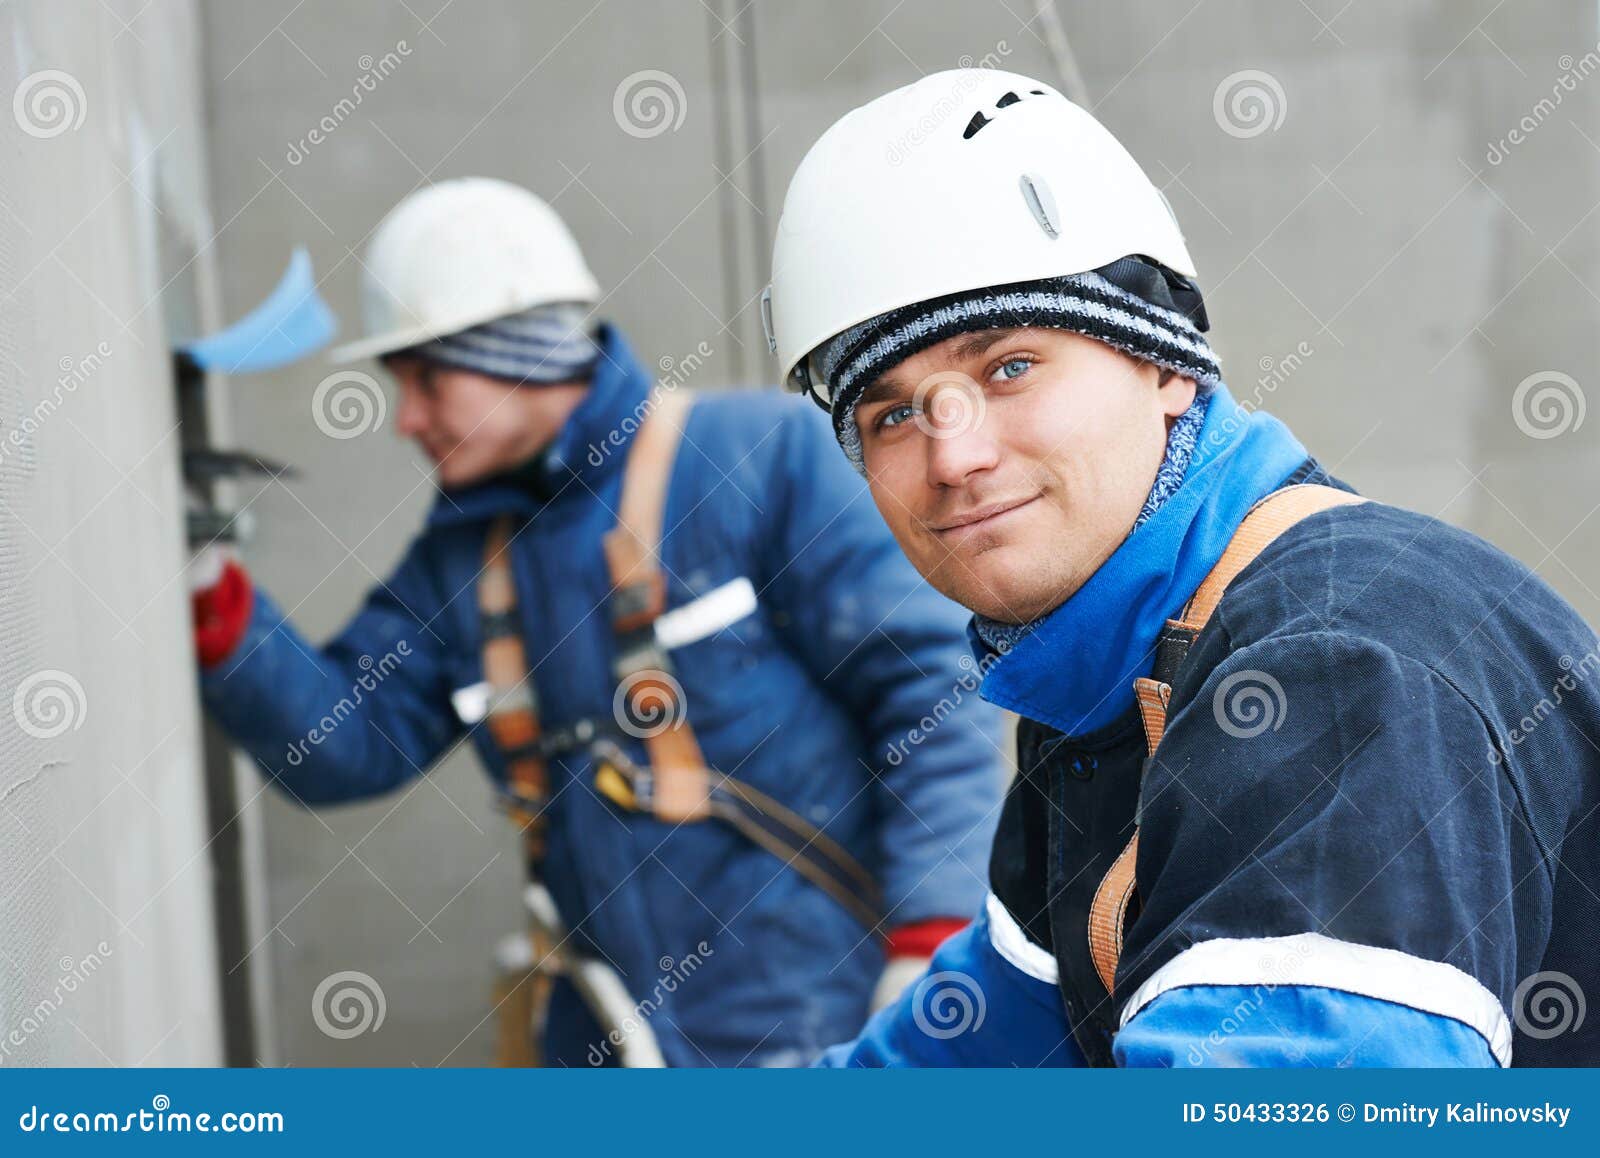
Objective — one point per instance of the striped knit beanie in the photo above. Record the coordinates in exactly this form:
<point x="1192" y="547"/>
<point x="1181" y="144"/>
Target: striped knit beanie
<point x="1132" y="304"/>
<point x="552" y="343"/>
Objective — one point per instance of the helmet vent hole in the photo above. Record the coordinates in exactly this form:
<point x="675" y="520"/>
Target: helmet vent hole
<point x="979" y="120"/>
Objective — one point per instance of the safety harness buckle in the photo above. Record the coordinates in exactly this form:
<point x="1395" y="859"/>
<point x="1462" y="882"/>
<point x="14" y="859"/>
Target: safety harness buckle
<point x="519" y="697"/>
<point x="619" y="779"/>
<point x="639" y="652"/>
<point x="636" y="604"/>
<point x="558" y="742"/>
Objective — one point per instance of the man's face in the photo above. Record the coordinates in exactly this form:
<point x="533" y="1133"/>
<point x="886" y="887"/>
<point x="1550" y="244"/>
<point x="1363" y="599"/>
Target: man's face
<point x="472" y="426"/>
<point x="1011" y="463"/>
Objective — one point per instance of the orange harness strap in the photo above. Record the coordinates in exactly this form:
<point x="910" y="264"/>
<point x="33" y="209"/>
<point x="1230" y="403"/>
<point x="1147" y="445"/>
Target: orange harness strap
<point x="647" y="695"/>
<point x="513" y="710"/>
<point x="1268" y="519"/>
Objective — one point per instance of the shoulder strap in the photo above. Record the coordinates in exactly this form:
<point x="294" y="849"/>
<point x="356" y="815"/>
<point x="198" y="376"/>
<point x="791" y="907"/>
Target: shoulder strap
<point x="513" y="710"/>
<point x="646" y="691"/>
<point x="1268" y="519"/>
<point x="631" y="546"/>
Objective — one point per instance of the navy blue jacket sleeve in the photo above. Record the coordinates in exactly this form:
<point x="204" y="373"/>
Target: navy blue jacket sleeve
<point x="895" y="652"/>
<point x="355" y="718"/>
<point x="1325" y="813"/>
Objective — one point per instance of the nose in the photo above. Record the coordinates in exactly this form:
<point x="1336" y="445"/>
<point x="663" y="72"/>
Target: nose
<point x="958" y="435"/>
<point x="411" y="418"/>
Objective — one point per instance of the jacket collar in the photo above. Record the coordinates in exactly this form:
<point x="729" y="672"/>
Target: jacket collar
<point x="593" y="444"/>
<point x="1075" y="670"/>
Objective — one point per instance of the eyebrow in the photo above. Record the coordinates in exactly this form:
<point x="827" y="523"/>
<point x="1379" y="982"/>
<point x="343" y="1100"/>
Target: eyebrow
<point x="882" y="390"/>
<point x="889" y="388"/>
<point x="975" y="344"/>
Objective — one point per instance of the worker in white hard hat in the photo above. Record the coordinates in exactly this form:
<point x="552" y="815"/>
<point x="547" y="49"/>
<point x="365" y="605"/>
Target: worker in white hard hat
<point x="1274" y="803"/>
<point x="755" y="793"/>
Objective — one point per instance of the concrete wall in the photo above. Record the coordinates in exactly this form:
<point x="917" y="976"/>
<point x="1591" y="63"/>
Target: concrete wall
<point x="107" y="954"/>
<point x="1374" y="276"/>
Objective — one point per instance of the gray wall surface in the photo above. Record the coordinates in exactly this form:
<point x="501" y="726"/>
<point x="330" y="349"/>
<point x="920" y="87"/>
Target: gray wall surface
<point x="107" y="949"/>
<point x="1391" y="204"/>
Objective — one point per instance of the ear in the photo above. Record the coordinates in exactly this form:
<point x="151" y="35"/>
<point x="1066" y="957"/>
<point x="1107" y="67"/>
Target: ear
<point x="1176" y="394"/>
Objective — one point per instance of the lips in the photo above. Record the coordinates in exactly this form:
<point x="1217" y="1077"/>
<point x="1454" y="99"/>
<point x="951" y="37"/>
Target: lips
<point x="979" y="517"/>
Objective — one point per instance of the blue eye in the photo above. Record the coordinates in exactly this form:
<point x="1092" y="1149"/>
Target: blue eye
<point x="1015" y="368"/>
<point x="895" y="415"/>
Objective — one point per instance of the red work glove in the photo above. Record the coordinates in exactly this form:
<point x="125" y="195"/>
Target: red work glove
<point x="909" y="948"/>
<point x="221" y="597"/>
<point x="923" y="937"/>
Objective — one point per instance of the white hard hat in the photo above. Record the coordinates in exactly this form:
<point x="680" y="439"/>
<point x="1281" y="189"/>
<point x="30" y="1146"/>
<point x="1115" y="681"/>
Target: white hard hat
<point x="963" y="180"/>
<point x="460" y="253"/>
